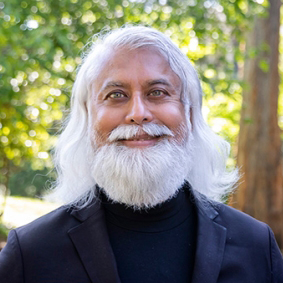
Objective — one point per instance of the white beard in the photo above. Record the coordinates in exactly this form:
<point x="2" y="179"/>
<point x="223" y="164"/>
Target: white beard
<point x="142" y="178"/>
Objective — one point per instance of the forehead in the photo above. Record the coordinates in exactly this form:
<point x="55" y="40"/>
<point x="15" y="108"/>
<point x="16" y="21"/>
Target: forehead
<point x="141" y="64"/>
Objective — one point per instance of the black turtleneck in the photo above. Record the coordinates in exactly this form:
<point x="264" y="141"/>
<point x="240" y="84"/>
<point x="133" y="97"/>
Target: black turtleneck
<point x="154" y="245"/>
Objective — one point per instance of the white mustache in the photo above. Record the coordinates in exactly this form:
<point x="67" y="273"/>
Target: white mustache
<point x="130" y="131"/>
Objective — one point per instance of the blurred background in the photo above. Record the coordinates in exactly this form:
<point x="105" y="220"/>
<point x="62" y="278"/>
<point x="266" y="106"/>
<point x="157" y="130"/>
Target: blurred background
<point x="234" y="45"/>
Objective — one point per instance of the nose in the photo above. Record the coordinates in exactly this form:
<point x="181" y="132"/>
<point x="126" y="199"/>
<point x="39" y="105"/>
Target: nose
<point x="138" y="112"/>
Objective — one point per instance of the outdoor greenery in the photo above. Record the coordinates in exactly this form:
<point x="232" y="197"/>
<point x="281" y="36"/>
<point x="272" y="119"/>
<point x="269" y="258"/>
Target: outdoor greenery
<point x="41" y="44"/>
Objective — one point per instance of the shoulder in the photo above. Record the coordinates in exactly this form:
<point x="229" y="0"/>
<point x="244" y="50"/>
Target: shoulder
<point x="50" y="221"/>
<point x="45" y="244"/>
<point x="229" y="217"/>
<point x="251" y="238"/>
<point x="35" y="239"/>
<point x="242" y="228"/>
<point x="50" y="228"/>
<point x="55" y="225"/>
<point x="232" y="217"/>
<point x="247" y="233"/>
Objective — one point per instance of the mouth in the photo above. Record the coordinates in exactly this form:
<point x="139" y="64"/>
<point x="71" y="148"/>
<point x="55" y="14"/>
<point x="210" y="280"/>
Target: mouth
<point x="143" y="137"/>
<point x="143" y="140"/>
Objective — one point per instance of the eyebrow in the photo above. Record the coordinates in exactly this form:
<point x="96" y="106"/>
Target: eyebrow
<point x="123" y="84"/>
<point x="113" y="84"/>
<point x="158" y="81"/>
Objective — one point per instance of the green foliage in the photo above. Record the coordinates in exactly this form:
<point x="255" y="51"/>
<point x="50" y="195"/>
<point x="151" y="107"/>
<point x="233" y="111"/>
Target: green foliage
<point x="3" y="232"/>
<point x="41" y="43"/>
<point x="29" y="183"/>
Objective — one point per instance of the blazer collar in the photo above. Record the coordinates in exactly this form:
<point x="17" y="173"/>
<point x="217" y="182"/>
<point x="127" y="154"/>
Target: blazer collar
<point x="211" y="239"/>
<point x="93" y="246"/>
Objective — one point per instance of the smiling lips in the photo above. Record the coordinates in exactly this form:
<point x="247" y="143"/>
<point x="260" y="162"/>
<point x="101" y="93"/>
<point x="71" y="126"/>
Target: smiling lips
<point x="143" y="140"/>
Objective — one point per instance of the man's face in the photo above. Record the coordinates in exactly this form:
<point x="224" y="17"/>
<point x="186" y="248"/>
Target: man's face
<point x="134" y="88"/>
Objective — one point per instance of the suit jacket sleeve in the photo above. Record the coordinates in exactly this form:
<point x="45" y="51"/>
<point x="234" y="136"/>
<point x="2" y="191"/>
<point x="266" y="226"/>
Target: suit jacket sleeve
<point x="11" y="266"/>
<point x="276" y="260"/>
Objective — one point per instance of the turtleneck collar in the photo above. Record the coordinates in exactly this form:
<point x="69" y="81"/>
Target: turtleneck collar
<point x="161" y="217"/>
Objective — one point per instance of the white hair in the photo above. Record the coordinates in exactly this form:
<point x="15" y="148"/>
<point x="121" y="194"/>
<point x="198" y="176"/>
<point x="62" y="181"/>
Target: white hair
<point x="75" y="184"/>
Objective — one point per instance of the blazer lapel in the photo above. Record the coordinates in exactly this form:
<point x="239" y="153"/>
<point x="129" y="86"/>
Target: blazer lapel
<point x="211" y="238"/>
<point x="92" y="243"/>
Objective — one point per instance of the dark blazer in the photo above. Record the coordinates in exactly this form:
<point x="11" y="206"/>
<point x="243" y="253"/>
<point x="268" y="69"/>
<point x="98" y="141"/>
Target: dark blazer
<point x="68" y="246"/>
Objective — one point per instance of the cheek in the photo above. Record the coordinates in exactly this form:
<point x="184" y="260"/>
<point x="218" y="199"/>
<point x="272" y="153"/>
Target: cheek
<point x="105" y="120"/>
<point x="173" y="117"/>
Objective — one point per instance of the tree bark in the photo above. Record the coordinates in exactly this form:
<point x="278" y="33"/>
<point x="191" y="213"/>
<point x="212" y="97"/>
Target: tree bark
<point x="260" y="192"/>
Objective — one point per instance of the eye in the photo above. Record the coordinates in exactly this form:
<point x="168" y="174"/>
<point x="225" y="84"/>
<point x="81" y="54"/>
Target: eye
<point x="116" y="95"/>
<point x="157" y="93"/>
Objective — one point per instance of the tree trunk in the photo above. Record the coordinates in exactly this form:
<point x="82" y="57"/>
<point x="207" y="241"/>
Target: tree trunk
<point x="260" y="191"/>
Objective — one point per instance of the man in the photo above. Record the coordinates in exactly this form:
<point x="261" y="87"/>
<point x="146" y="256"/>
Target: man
<point x="140" y="173"/>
